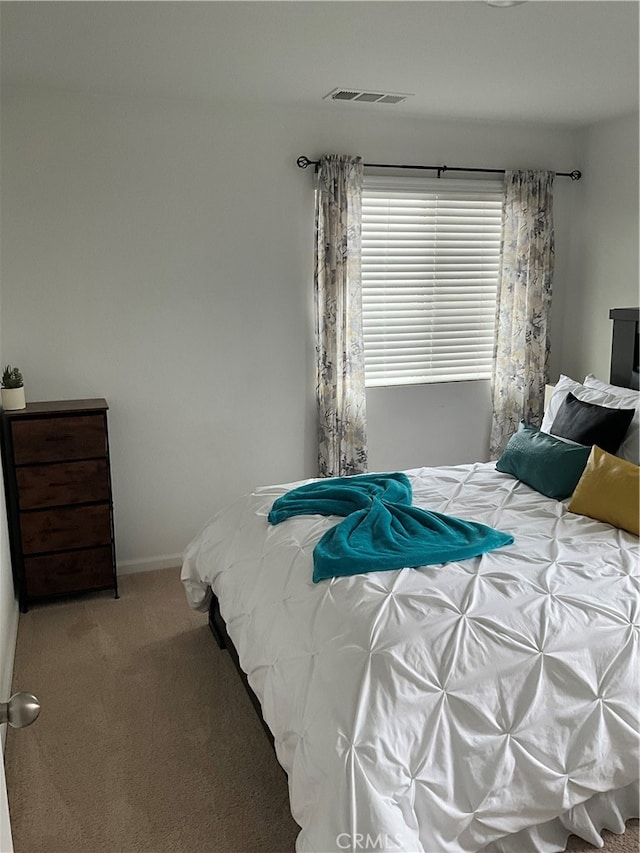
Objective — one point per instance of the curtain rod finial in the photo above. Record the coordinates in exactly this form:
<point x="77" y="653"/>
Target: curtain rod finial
<point x="303" y="162"/>
<point x="575" y="175"/>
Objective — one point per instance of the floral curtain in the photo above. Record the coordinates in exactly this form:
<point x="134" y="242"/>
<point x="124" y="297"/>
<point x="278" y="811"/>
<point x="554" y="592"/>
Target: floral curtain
<point x="521" y="351"/>
<point x="340" y="390"/>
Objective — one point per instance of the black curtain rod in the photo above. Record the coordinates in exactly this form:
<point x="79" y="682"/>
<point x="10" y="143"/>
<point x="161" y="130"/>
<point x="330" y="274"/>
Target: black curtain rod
<point x="303" y="162"/>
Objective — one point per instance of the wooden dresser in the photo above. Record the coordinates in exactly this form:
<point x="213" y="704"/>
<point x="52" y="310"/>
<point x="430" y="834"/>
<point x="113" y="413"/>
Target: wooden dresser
<point x="59" y="504"/>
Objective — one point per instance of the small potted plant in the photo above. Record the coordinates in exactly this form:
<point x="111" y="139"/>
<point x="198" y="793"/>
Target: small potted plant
<point x="12" y="389"/>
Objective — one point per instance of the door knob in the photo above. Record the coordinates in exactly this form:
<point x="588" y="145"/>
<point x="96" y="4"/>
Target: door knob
<point x="21" y="710"/>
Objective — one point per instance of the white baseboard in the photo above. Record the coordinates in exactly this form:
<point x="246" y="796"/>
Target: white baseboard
<point x="168" y="561"/>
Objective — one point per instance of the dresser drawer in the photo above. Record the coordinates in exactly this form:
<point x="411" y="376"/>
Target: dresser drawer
<point x="58" y="439"/>
<point x="59" y="529"/>
<point x="59" y="573"/>
<point x="63" y="483"/>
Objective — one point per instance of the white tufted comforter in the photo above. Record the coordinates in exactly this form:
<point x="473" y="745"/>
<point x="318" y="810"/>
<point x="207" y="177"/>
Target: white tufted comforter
<point x="442" y="708"/>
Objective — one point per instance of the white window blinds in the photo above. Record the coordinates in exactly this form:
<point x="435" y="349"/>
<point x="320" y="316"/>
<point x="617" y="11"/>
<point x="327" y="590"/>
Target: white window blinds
<point x="430" y="256"/>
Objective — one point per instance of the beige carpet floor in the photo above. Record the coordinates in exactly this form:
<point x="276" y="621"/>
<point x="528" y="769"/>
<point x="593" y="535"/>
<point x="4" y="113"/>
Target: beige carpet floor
<point x="146" y="740"/>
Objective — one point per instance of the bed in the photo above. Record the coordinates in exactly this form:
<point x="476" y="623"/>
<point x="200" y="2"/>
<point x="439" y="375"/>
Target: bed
<point x="489" y="704"/>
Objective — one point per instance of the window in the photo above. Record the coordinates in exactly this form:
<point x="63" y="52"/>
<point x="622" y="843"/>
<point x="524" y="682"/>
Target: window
<point x="430" y="257"/>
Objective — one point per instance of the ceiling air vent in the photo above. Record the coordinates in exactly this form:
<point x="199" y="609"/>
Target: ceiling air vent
<point x="366" y="97"/>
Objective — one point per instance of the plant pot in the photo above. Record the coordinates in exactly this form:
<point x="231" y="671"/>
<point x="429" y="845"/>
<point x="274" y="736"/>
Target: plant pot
<point x="13" y="398"/>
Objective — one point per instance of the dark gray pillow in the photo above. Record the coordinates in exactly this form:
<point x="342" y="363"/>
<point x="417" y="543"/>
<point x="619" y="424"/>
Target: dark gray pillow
<point x="588" y="423"/>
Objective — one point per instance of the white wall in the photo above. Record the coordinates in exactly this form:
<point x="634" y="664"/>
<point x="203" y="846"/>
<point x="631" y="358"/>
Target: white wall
<point x="604" y="251"/>
<point x="160" y="254"/>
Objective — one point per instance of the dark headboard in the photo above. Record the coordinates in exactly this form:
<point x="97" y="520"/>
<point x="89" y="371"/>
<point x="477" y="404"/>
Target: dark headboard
<point x="625" y="347"/>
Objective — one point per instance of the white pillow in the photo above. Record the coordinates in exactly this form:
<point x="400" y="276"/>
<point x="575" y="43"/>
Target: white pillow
<point x="630" y="394"/>
<point x="563" y="386"/>
<point x="601" y="394"/>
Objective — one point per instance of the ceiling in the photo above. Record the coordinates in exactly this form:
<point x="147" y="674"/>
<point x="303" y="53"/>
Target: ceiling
<point x="569" y="62"/>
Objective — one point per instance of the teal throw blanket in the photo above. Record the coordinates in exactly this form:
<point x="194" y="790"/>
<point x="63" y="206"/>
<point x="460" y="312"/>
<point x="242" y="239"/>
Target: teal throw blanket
<point x="381" y="529"/>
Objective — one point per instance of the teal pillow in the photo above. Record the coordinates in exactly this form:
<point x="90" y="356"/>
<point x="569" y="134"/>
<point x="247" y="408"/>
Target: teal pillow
<point x="550" y="466"/>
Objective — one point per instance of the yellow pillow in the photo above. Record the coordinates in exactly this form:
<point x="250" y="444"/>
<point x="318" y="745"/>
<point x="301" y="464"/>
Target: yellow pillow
<point x="609" y="491"/>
